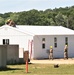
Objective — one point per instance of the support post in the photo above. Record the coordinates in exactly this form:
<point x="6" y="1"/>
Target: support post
<point x="26" y="56"/>
<point x="26" y="66"/>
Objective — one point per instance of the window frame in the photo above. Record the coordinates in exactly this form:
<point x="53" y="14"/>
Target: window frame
<point x="5" y="41"/>
<point x="43" y="43"/>
<point x="66" y="40"/>
<point x="55" y="42"/>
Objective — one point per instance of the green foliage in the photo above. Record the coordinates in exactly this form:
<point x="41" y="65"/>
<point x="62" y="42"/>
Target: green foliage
<point x="58" y="16"/>
<point x="1" y="21"/>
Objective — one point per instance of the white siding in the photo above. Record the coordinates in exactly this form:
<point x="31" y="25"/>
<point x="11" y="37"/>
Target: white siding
<point x="71" y="46"/>
<point x="20" y="37"/>
<point x="57" y="52"/>
<point x="15" y="37"/>
<point x="22" y="41"/>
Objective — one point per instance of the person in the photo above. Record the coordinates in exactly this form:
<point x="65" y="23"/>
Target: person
<point x="51" y="53"/>
<point x="66" y="52"/>
<point x="10" y="23"/>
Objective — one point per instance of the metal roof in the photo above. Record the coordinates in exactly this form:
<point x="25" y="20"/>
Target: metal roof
<point x="16" y="29"/>
<point x="42" y="30"/>
<point x="46" y="30"/>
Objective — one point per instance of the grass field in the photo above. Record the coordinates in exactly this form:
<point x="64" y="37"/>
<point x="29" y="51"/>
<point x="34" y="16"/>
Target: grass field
<point x="38" y="69"/>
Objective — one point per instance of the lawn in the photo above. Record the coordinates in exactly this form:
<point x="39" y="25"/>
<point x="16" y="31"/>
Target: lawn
<point x="38" y="69"/>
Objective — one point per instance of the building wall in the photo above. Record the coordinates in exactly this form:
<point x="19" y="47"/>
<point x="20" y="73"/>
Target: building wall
<point x="15" y="37"/>
<point x="22" y="41"/>
<point x="3" y="55"/>
<point x="12" y="54"/>
<point x="58" y="52"/>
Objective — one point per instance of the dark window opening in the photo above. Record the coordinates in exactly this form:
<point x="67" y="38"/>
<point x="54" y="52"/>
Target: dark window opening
<point x="55" y="45"/>
<point x="43" y="45"/>
<point x="43" y="39"/>
<point x="66" y="41"/>
<point x="55" y="39"/>
<point x="55" y="42"/>
<point x="5" y="41"/>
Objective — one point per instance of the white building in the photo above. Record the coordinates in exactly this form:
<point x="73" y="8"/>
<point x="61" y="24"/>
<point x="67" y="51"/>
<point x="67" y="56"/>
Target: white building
<point x="38" y="39"/>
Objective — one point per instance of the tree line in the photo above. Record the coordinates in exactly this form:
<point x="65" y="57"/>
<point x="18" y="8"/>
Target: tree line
<point x="49" y="17"/>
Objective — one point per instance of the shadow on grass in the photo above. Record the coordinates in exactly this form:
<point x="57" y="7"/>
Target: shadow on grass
<point x="8" y="69"/>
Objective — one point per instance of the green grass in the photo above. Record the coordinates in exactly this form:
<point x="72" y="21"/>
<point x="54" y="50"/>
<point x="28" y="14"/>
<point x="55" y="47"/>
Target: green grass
<point x="38" y="69"/>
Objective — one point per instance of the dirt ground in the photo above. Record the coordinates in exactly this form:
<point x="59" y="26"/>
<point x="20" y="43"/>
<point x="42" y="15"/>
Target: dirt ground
<point x="54" y="61"/>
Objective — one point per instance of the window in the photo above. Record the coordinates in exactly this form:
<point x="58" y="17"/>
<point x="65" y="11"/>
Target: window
<point x="43" y="40"/>
<point x="43" y="43"/>
<point x="66" y="40"/>
<point x="55" y="42"/>
<point x="55" y="39"/>
<point x="5" y="41"/>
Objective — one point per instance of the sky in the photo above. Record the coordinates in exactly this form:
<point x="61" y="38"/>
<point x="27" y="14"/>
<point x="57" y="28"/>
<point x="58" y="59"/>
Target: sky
<point x="26" y="5"/>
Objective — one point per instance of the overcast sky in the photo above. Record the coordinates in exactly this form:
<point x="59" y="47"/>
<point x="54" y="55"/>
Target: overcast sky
<point x="25" y="5"/>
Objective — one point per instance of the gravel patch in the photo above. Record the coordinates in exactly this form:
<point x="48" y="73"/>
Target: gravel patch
<point x="54" y="61"/>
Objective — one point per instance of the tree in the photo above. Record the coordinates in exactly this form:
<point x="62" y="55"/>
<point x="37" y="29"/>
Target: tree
<point x="14" y="17"/>
<point x="57" y="16"/>
<point x="2" y="22"/>
<point x="52" y="21"/>
<point x="60" y="19"/>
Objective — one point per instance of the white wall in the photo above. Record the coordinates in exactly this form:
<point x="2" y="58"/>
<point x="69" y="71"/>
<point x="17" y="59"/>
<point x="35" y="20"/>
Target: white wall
<point x="19" y="38"/>
<point x="15" y="37"/>
<point x="58" y="52"/>
<point x="22" y="41"/>
<point x="71" y="46"/>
